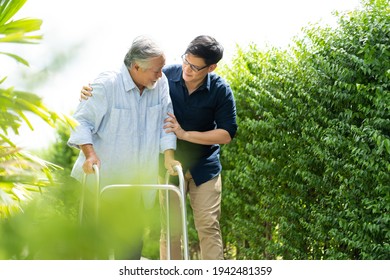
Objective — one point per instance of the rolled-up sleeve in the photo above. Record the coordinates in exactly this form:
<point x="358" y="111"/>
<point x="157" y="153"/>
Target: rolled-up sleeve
<point x="89" y="115"/>
<point x="226" y="112"/>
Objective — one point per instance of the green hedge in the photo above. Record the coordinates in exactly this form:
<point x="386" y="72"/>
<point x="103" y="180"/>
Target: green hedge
<point x="307" y="176"/>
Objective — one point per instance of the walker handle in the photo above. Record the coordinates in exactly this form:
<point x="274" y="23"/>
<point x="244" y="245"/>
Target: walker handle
<point x="83" y="186"/>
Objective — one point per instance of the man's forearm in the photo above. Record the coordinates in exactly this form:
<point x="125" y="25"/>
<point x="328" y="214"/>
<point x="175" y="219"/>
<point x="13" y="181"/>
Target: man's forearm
<point x="217" y="136"/>
<point x="88" y="150"/>
<point x="169" y="155"/>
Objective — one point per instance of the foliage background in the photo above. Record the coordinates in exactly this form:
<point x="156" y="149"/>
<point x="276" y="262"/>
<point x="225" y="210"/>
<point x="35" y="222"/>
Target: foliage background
<point x="21" y="172"/>
<point x="307" y="175"/>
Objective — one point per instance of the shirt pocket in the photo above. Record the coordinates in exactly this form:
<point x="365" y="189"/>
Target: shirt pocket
<point x="154" y="121"/>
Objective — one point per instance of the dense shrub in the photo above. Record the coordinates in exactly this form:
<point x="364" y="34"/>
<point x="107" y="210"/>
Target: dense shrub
<point x="307" y="176"/>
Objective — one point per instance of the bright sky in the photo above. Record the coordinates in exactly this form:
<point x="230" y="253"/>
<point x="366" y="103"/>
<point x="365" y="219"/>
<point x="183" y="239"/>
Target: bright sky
<point x="105" y="29"/>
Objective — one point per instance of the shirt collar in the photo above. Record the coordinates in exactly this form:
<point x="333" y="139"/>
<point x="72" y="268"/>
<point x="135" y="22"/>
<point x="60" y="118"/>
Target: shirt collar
<point x="126" y="78"/>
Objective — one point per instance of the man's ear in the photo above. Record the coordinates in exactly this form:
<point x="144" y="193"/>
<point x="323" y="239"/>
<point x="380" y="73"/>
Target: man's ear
<point x="212" y="67"/>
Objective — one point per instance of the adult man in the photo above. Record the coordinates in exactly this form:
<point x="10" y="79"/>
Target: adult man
<point x="205" y="117"/>
<point x="121" y="129"/>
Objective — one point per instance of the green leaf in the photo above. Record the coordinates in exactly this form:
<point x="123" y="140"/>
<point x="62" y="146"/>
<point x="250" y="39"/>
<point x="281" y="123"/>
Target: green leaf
<point x="17" y="58"/>
<point x="9" y="8"/>
<point x="22" y="25"/>
<point x="20" y="38"/>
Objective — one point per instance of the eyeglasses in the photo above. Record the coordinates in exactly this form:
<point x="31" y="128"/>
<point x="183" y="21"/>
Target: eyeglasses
<point x="192" y="66"/>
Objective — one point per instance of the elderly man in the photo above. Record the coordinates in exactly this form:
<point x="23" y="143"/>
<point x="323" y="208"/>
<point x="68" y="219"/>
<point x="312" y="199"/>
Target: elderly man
<point x="121" y="129"/>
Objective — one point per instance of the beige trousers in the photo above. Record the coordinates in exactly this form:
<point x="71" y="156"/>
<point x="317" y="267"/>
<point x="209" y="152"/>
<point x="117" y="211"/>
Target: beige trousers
<point x="205" y="202"/>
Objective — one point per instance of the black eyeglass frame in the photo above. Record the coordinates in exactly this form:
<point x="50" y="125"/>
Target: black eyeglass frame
<point x="192" y="66"/>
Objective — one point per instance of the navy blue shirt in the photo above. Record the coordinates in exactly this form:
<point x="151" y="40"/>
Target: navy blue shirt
<point x="211" y="106"/>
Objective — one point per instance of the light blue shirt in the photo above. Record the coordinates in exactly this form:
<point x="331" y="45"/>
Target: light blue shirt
<point x="125" y="128"/>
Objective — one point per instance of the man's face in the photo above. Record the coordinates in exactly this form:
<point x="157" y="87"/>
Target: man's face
<point x="194" y="68"/>
<point x="149" y="75"/>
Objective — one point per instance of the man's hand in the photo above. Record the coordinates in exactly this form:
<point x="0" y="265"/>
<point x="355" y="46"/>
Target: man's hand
<point x="85" y="92"/>
<point x="170" y="162"/>
<point x="90" y="158"/>
<point x="172" y="125"/>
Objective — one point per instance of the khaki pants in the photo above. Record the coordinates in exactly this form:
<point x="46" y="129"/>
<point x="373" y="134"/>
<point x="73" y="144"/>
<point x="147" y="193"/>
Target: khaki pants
<point x="205" y="202"/>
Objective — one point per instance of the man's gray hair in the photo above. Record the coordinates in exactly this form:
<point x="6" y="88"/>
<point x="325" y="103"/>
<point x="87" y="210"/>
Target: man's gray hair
<point x="141" y="51"/>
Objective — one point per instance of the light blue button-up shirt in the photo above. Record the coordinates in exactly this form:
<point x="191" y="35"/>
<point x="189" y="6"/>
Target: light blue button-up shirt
<point x="125" y="128"/>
